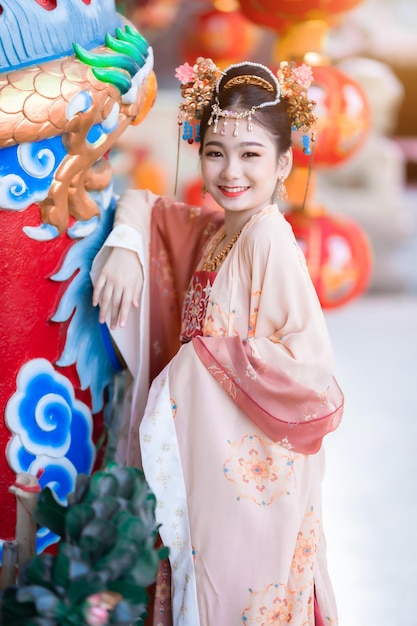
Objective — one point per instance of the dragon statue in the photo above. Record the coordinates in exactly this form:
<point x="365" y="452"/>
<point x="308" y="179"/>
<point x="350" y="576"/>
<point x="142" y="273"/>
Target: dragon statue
<point x="73" y="75"/>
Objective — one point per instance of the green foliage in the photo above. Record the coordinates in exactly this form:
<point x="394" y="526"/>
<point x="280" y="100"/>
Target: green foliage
<point x="106" y="556"/>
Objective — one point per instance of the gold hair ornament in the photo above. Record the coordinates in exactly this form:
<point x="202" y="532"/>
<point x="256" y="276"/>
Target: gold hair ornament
<point x="294" y="82"/>
<point x="249" y="79"/>
<point x="243" y="79"/>
<point x="197" y="86"/>
<point x="203" y="80"/>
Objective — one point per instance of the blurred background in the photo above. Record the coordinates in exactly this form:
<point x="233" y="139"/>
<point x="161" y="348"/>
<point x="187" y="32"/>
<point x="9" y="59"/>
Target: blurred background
<point x="353" y="207"/>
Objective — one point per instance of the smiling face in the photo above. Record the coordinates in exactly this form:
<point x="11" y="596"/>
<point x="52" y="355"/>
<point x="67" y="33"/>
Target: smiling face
<point x="241" y="173"/>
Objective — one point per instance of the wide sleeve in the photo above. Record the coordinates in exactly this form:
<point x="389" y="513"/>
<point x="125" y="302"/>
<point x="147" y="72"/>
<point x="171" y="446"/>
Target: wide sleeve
<point x="287" y="324"/>
<point x="131" y="230"/>
<point x="278" y="365"/>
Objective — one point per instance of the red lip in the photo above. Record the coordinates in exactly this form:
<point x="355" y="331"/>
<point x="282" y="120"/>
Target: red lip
<point x="232" y="194"/>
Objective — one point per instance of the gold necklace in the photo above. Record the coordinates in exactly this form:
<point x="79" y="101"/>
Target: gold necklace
<point x="213" y="263"/>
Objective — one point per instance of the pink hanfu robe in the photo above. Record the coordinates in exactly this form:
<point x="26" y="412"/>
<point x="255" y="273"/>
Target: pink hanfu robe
<point x="231" y="430"/>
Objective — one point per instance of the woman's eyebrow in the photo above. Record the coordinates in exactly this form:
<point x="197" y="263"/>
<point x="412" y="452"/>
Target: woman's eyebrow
<point x="242" y="143"/>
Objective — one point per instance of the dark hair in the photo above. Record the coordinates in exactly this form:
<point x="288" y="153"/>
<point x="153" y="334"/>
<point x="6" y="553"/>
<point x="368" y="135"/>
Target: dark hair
<point x="243" y="97"/>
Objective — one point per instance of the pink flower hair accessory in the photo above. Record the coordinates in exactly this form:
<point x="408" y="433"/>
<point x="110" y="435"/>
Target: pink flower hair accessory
<point x="294" y="81"/>
<point x="197" y="86"/>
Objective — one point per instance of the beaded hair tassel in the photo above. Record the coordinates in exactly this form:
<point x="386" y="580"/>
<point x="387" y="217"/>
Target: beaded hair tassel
<point x="197" y="86"/>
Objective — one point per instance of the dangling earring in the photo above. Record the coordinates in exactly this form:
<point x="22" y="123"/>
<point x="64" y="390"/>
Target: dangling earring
<point x="281" y="190"/>
<point x="203" y="191"/>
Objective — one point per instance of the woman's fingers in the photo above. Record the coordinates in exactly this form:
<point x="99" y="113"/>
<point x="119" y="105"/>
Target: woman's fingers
<point x="115" y="306"/>
<point x="131" y="296"/>
<point x="137" y="291"/>
<point x="124" y="307"/>
<point x="118" y="286"/>
<point x="105" y="301"/>
<point x="97" y="289"/>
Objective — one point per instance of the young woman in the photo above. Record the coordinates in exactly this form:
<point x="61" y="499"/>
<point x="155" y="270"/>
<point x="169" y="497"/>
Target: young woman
<point x="228" y="325"/>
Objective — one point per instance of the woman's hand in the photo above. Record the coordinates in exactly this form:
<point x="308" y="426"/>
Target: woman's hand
<point x="118" y="286"/>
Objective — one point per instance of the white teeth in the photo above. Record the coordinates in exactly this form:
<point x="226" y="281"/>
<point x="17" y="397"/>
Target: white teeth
<point x="234" y="189"/>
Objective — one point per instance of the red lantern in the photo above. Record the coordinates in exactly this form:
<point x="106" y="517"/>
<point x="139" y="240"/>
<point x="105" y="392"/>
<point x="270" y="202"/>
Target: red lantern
<point x="262" y="15"/>
<point x="225" y="37"/>
<point x="280" y="15"/>
<point x="337" y="252"/>
<point x="150" y="17"/>
<point x="343" y="118"/>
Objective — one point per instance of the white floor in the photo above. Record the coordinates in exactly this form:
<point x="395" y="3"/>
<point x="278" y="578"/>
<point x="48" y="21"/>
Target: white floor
<point x="370" y="490"/>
